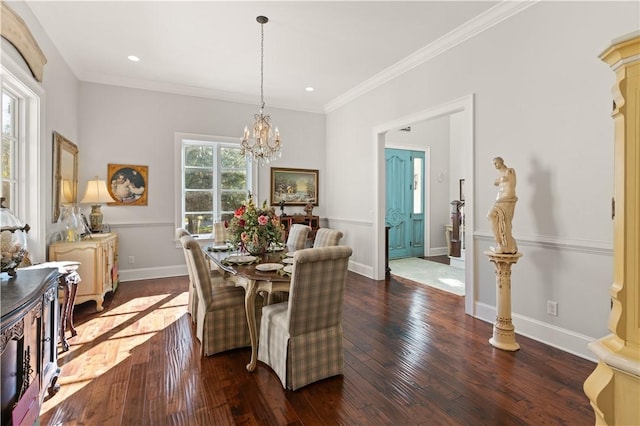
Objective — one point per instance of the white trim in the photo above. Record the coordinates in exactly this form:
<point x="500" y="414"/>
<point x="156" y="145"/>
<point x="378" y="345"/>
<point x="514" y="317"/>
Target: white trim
<point x="557" y="337"/>
<point x="469" y="29"/>
<point x="178" y="166"/>
<point x="464" y="104"/>
<point x="152" y="273"/>
<point x="568" y="244"/>
<point x="361" y="269"/>
<point x="348" y="221"/>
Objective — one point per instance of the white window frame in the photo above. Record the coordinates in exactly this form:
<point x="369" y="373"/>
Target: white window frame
<point x="187" y="138"/>
<point x="30" y="175"/>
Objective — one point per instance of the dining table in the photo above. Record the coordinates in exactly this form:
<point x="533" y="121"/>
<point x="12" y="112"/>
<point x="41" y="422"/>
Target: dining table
<point x="246" y="272"/>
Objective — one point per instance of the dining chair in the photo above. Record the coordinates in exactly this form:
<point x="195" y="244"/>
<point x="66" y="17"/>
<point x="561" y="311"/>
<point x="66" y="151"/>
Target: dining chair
<point x="297" y="238"/>
<point x="301" y="340"/>
<point x="326" y="237"/>
<point x="192" y="306"/>
<point x="221" y="319"/>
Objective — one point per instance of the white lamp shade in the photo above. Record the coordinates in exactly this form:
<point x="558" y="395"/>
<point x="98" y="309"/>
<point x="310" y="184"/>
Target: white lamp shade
<point x="97" y="193"/>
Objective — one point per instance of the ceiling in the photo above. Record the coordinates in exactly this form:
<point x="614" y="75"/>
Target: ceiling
<point x="212" y="48"/>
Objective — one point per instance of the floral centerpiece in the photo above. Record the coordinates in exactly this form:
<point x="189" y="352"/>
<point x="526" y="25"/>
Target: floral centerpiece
<point x="253" y="229"/>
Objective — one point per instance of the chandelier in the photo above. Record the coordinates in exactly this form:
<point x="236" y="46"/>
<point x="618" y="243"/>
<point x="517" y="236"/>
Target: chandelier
<point x="261" y="144"/>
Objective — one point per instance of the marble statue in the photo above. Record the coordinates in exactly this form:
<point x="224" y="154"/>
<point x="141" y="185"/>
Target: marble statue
<point x="501" y="214"/>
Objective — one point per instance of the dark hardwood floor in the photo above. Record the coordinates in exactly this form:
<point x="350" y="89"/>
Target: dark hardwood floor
<point x="411" y="357"/>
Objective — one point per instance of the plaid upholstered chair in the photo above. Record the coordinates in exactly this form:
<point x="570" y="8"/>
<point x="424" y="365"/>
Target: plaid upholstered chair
<point x="326" y="237"/>
<point x="297" y="238"/>
<point x="301" y="340"/>
<point x="221" y="319"/>
<point x="216" y="272"/>
<point x="192" y="307"/>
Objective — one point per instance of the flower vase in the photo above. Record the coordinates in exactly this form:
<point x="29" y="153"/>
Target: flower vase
<point x="257" y="249"/>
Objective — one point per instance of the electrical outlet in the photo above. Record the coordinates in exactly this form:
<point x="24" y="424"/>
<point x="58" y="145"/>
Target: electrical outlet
<point x="552" y="308"/>
<point x="132" y="260"/>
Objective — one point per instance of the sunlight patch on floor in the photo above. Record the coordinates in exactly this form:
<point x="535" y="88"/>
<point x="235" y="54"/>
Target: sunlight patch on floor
<point x="121" y="330"/>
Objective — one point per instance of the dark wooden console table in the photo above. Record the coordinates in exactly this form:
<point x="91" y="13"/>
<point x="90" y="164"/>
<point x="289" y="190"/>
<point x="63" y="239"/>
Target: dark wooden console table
<point x="28" y="339"/>
<point x="68" y="282"/>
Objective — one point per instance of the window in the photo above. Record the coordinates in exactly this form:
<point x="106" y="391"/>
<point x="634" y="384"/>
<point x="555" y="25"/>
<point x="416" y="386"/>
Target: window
<point x="215" y="179"/>
<point x="21" y="157"/>
<point x="10" y="148"/>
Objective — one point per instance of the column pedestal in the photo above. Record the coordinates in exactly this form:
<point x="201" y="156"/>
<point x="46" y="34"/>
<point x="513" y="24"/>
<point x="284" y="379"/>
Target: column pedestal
<point x="504" y="336"/>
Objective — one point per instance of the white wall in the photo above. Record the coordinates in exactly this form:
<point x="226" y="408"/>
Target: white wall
<point x="130" y="126"/>
<point x="542" y="101"/>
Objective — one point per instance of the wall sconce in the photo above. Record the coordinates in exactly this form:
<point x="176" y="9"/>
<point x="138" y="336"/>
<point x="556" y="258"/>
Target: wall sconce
<point x="96" y="194"/>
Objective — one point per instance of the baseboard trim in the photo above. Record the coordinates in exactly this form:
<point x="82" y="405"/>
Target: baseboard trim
<point x="152" y="273"/>
<point x="361" y="269"/>
<point x="557" y="337"/>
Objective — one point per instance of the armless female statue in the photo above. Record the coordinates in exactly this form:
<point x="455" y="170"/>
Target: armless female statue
<point x="501" y="214"/>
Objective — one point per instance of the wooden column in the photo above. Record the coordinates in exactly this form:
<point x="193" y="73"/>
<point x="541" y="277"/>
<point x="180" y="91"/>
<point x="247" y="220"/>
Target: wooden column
<point x="614" y="386"/>
<point x="504" y="336"/>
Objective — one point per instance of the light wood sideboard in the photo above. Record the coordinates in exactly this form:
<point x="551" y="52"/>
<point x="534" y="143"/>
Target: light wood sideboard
<point x="98" y="257"/>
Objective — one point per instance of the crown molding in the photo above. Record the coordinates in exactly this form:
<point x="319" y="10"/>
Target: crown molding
<point x="469" y="29"/>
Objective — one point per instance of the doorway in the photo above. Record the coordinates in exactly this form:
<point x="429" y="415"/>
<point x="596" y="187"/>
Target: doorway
<point x="405" y="202"/>
<point x="462" y="105"/>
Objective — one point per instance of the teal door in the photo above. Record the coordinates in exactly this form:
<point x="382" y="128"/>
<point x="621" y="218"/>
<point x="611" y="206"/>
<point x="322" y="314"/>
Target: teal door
<point x="404" y="212"/>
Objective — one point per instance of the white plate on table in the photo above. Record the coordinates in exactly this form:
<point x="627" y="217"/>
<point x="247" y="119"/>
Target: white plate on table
<point x="239" y="258"/>
<point x="288" y="260"/>
<point x="276" y="248"/>
<point x="222" y="247"/>
<point x="290" y="253"/>
<point x="288" y="269"/>
<point x="265" y="267"/>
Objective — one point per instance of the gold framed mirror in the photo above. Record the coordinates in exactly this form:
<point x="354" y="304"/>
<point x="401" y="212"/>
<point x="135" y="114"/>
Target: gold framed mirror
<point x="65" y="173"/>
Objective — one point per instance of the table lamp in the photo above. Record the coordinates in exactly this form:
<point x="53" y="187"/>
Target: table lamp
<point x="96" y="194"/>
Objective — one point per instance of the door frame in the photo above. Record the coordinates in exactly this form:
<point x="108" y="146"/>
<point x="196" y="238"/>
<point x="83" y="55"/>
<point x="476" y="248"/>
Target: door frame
<point x="427" y="188"/>
<point x="465" y="105"/>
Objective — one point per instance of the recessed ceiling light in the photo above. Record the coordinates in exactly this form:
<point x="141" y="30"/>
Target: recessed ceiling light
<point x="309" y="89"/>
<point x="133" y="58"/>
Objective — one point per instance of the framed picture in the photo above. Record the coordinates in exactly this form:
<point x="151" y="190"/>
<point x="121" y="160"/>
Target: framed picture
<point x="296" y="187"/>
<point x="128" y="184"/>
<point x="461" y="189"/>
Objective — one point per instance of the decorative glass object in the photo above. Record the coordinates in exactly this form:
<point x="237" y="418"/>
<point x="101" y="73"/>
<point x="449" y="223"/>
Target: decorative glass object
<point x="71" y="226"/>
<point x="13" y="241"/>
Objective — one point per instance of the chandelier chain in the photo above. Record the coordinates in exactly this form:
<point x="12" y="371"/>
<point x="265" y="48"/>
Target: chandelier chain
<point x="261" y="66"/>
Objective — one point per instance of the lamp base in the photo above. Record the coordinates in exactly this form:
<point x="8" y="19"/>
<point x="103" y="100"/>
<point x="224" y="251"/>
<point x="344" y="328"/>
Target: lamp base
<point x="95" y="218"/>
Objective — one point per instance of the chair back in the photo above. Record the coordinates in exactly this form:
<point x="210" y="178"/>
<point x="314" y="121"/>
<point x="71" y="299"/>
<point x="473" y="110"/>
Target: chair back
<point x="297" y="238"/>
<point x="201" y="271"/>
<point x="181" y="232"/>
<point x="317" y="289"/>
<point x="326" y="237"/>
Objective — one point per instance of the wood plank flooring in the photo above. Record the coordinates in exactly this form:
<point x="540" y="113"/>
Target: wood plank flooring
<point x="411" y="357"/>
